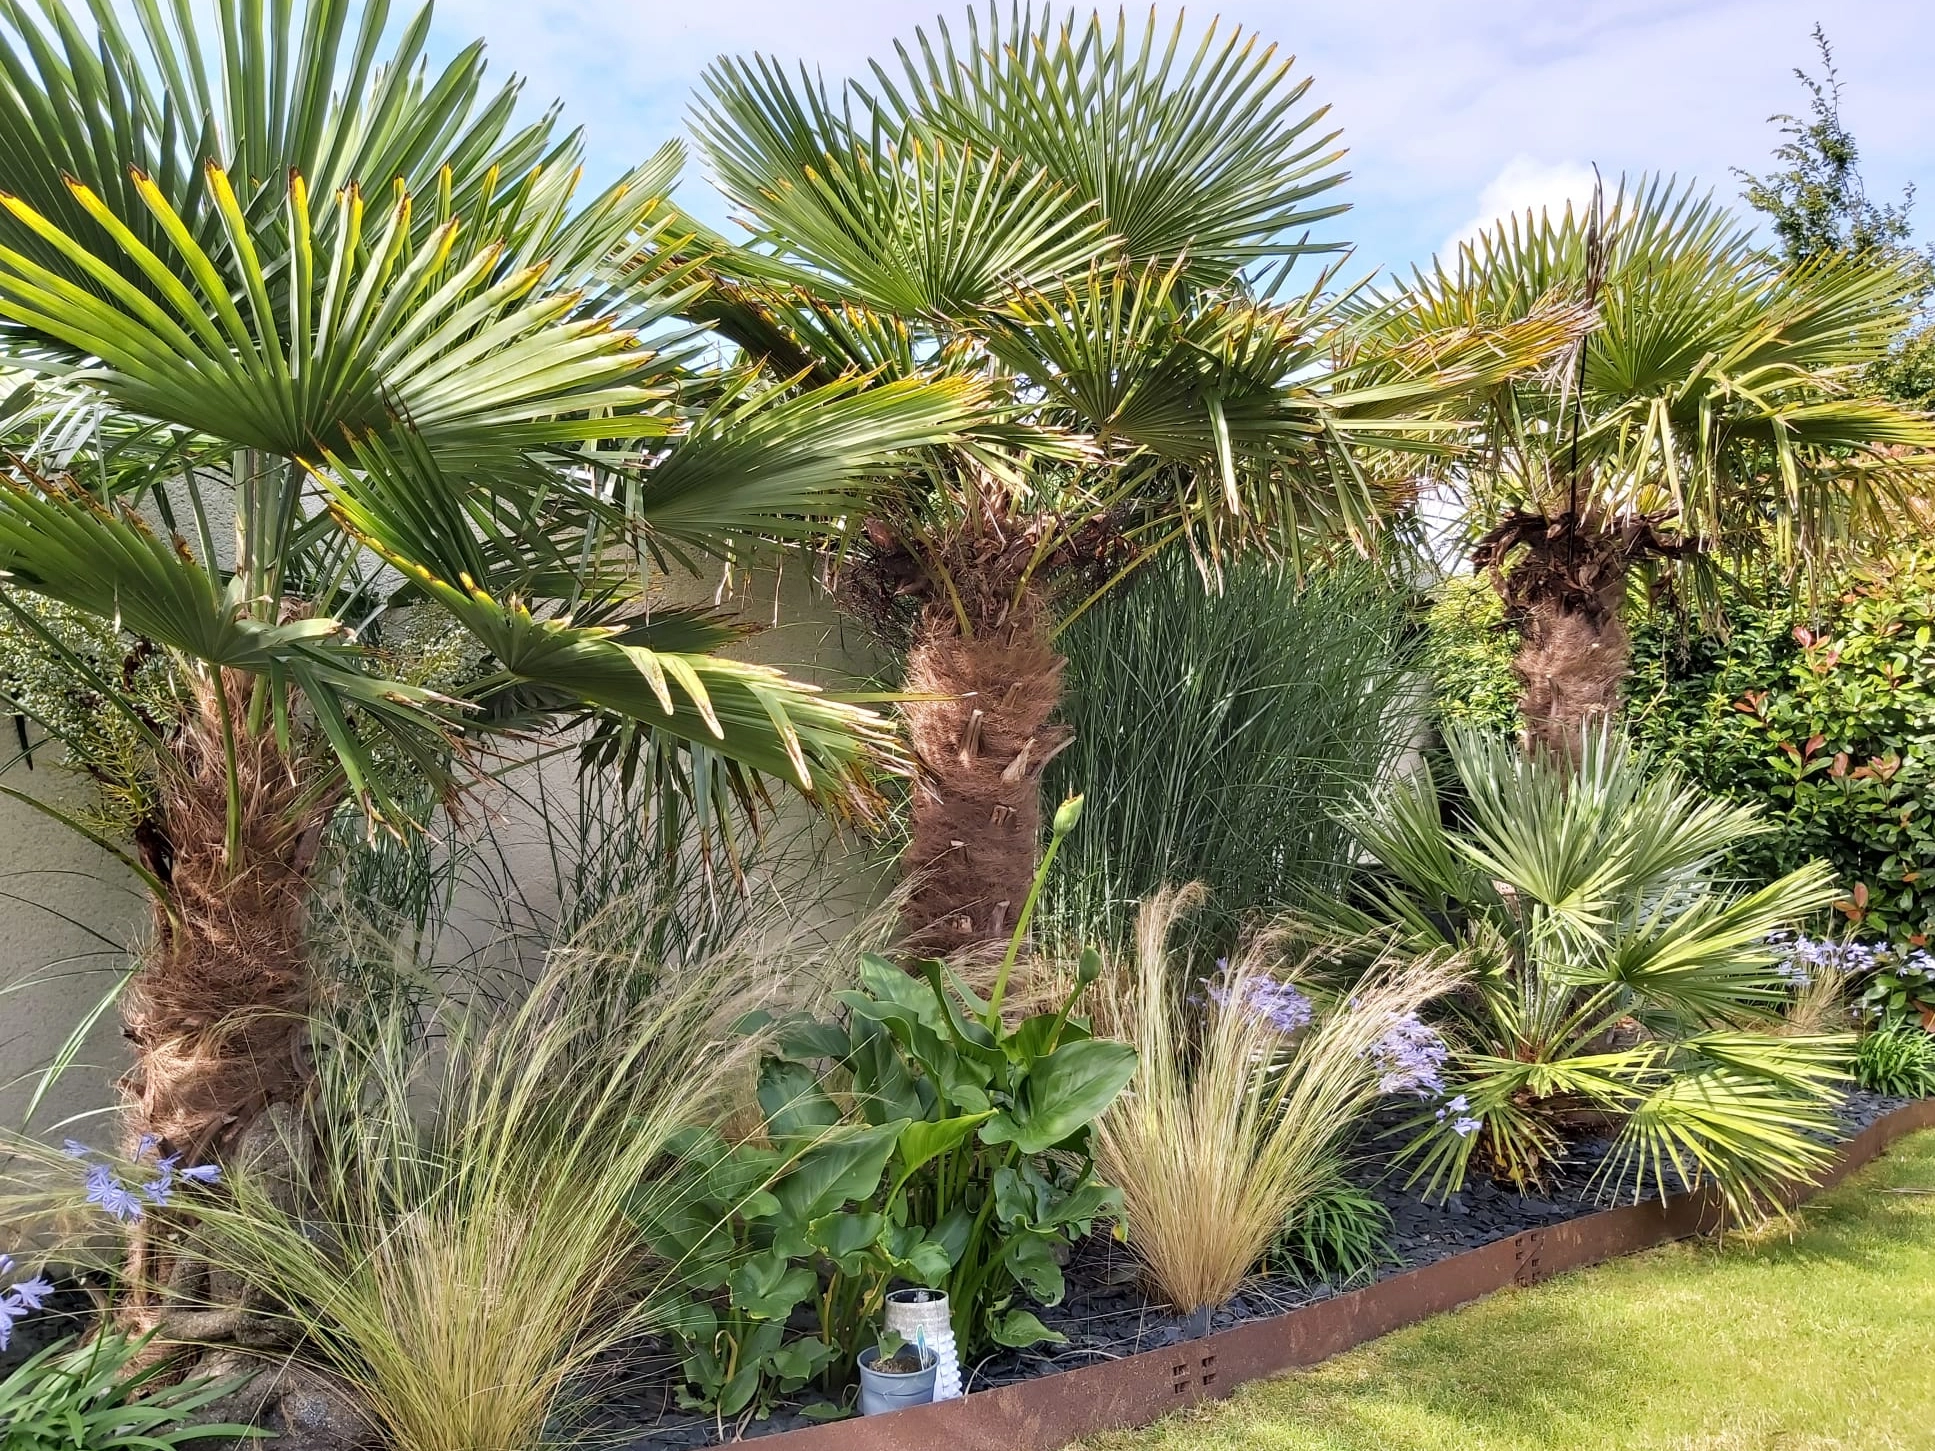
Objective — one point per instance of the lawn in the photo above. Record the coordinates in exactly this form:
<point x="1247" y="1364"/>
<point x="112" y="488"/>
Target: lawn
<point x="1823" y="1338"/>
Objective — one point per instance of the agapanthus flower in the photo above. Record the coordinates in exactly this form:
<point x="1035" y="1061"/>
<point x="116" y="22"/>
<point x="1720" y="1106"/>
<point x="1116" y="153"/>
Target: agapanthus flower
<point x="20" y="1299"/>
<point x="105" y="1188"/>
<point x="1279" y="1004"/>
<point x="1458" y="1110"/>
<point x="1410" y="1057"/>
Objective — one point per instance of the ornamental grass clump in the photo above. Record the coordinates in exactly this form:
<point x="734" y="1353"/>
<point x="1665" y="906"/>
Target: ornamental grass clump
<point x="1245" y="1095"/>
<point x="472" y="1250"/>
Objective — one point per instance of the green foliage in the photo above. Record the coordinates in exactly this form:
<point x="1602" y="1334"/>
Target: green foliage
<point x="1286" y="698"/>
<point x="97" y="1397"/>
<point x="1468" y="651"/>
<point x="954" y="1155"/>
<point x="1816" y="201"/>
<point x="95" y="690"/>
<point x="1898" y="1061"/>
<point x="1619" y="975"/>
<point x="1818" y="206"/>
<point x="1898" y="988"/>
<point x="1826" y="717"/>
<point x="1341" y="1234"/>
<point x="921" y="1138"/>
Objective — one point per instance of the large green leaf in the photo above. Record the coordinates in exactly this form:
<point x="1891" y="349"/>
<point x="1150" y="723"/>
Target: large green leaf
<point x="844" y="1164"/>
<point x="1064" y="1092"/>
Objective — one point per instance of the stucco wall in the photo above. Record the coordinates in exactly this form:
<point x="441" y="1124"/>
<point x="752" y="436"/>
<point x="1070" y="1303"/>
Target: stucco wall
<point x="70" y="913"/>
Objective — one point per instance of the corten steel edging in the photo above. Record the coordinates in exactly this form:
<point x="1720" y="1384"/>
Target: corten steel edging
<point x="1050" y="1411"/>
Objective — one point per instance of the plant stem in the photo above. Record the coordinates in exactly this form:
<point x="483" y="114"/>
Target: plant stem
<point x="1022" y="923"/>
<point x="233" y="843"/>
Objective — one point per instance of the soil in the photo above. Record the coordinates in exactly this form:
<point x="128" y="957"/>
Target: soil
<point x="1106" y="1314"/>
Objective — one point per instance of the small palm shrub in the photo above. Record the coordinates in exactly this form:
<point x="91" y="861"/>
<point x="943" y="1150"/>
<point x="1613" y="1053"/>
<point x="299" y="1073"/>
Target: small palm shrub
<point x="1621" y="986"/>
<point x="1246" y="1092"/>
<point x="1897" y="1061"/>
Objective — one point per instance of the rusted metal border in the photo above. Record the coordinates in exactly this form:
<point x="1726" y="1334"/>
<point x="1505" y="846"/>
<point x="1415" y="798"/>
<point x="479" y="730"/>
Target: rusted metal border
<point x="1049" y="1412"/>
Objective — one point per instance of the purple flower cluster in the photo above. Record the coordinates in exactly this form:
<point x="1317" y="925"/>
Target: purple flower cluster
<point x="1277" y="1003"/>
<point x="1800" y="954"/>
<point x="1410" y="1057"/>
<point x="106" y="1188"/>
<point x="20" y="1299"/>
<point x="1463" y="1124"/>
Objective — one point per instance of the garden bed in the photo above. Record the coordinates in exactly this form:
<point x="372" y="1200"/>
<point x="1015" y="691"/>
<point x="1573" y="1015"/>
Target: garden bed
<point x="1108" y="1319"/>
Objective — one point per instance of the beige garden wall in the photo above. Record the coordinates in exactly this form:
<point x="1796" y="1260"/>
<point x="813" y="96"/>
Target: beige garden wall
<point x="70" y="913"/>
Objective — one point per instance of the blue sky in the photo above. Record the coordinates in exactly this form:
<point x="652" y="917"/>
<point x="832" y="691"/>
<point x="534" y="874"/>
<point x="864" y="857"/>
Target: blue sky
<point x="1453" y="110"/>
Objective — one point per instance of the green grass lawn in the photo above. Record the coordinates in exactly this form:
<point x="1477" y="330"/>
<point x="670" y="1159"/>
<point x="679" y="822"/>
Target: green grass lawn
<point x="1825" y="1338"/>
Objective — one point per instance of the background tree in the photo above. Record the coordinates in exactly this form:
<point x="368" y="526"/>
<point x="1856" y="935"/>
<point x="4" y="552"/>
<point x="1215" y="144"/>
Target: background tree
<point x="1103" y="223"/>
<point x="1819" y="205"/>
<point x="327" y="348"/>
<point x="1719" y="409"/>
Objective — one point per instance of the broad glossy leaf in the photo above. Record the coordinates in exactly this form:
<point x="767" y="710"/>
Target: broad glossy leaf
<point x="1020" y="1329"/>
<point x="923" y="1141"/>
<point x="767" y="1288"/>
<point x="1065" y="1092"/>
<point x="845" y="1164"/>
<point x="794" y="1102"/>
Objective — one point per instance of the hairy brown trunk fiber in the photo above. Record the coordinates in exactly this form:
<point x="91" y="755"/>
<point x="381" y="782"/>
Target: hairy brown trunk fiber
<point x="217" y="1011"/>
<point x="1563" y="582"/>
<point x="1571" y="664"/>
<point x="981" y="750"/>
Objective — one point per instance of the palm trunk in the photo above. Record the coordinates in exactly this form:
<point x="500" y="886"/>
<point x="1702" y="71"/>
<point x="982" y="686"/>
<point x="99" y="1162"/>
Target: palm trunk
<point x="217" y="1013"/>
<point x="982" y="747"/>
<point x="1563" y="582"/>
<point x="1571" y="664"/>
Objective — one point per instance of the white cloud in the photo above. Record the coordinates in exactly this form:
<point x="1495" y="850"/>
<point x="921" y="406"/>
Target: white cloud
<point x="1526" y="186"/>
<point x="1434" y="97"/>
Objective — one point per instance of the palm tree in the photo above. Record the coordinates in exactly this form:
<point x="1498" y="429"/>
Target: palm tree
<point x="326" y="345"/>
<point x="1622" y="985"/>
<point x="1718" y="410"/>
<point x="1100" y="223"/>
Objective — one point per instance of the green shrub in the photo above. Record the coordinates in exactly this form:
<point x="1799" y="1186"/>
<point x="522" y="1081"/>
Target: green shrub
<point x="1897" y="1061"/>
<point x="1826" y="718"/>
<point x="1822" y="714"/>
<point x="1213" y="731"/>
<point x="920" y="1137"/>
<point x="1468" y="651"/>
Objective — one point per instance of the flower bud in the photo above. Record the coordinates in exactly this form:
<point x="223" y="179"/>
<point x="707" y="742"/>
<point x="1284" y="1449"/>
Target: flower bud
<point x="1067" y="814"/>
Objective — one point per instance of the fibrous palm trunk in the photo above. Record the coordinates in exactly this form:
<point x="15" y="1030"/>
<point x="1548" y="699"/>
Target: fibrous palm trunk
<point x="217" y="1012"/>
<point x="982" y="744"/>
<point x="1563" y="581"/>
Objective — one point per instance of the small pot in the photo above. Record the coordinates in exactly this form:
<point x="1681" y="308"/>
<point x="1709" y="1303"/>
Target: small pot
<point x="885" y="1390"/>
<point x="922" y="1315"/>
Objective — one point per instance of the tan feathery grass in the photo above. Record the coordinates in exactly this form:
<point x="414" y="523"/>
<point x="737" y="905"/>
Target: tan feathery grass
<point x="1231" y="1124"/>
